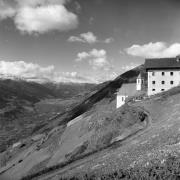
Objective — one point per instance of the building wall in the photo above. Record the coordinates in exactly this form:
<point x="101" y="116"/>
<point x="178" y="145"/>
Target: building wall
<point x="120" y="100"/>
<point x="139" y="83"/>
<point x="158" y="78"/>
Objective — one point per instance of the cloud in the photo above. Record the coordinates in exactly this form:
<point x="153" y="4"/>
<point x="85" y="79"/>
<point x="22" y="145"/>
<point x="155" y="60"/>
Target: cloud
<point x="35" y="72"/>
<point x="109" y="40"/>
<point x="89" y="38"/>
<point x="129" y="66"/>
<point x="39" y="16"/>
<point x="96" y="58"/>
<point x="82" y="55"/>
<point x="154" y="50"/>
<point x="23" y="69"/>
<point x="34" y="3"/>
<point x="6" y="11"/>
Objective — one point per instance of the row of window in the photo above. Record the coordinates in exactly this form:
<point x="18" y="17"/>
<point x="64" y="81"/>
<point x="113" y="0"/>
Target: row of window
<point x="163" y="73"/>
<point x="155" y="89"/>
<point x="162" y="82"/>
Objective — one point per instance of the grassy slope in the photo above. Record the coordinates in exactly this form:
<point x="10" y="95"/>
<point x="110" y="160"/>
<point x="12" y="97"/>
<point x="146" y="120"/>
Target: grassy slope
<point x="156" y="144"/>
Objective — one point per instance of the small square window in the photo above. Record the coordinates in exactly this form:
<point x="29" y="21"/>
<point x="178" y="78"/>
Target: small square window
<point x="153" y="82"/>
<point x="172" y="82"/>
<point x="162" y="82"/>
<point x="171" y="73"/>
<point x="162" y="89"/>
<point x="163" y="73"/>
<point x="153" y="90"/>
<point x="153" y="73"/>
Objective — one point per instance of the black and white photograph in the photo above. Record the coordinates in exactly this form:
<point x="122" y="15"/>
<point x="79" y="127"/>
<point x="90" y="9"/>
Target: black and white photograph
<point x="89" y="89"/>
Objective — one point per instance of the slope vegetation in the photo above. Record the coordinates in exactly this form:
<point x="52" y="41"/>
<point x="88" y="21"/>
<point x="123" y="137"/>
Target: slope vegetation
<point x="151" y="154"/>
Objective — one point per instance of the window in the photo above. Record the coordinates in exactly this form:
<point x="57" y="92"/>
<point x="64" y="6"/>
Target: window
<point x="172" y="82"/>
<point x="153" y="73"/>
<point x="162" y="82"/>
<point x="153" y="90"/>
<point x="163" y="73"/>
<point x="122" y="98"/>
<point x="162" y="89"/>
<point x="153" y="82"/>
<point x="171" y="73"/>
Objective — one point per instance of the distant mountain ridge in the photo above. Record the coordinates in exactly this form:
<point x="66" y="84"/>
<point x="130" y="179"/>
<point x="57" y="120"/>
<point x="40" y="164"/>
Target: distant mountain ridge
<point x="42" y="80"/>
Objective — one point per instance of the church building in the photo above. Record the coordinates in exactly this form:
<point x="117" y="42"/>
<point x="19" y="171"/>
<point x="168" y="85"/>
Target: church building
<point x="129" y="90"/>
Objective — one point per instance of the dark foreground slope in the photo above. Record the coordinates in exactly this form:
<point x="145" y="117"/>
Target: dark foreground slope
<point x="92" y="125"/>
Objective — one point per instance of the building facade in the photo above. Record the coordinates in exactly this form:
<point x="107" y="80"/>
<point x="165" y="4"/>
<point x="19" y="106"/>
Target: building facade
<point x="163" y="74"/>
<point x="120" y="100"/>
<point x="128" y="90"/>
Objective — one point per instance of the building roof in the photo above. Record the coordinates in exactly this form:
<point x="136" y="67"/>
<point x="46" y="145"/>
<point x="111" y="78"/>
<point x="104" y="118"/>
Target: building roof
<point x="163" y="63"/>
<point x="141" y="75"/>
<point x="127" y="89"/>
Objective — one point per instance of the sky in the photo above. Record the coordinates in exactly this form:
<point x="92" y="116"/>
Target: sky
<point x="85" y="40"/>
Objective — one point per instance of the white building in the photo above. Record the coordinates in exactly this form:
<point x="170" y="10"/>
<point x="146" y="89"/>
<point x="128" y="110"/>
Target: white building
<point x="139" y="82"/>
<point x="128" y="90"/>
<point x="163" y="74"/>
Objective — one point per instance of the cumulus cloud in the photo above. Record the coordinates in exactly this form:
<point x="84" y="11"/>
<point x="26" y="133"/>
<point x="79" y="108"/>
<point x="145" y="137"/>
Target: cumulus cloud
<point x="6" y="11"/>
<point x="154" y="50"/>
<point x="23" y="69"/>
<point x="35" y="72"/>
<point x="89" y="38"/>
<point x="39" y="16"/>
<point x="96" y="58"/>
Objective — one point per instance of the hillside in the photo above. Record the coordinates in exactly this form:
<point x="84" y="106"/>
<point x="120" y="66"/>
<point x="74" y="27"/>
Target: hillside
<point x="152" y="154"/>
<point x="27" y="106"/>
<point x="88" y="127"/>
